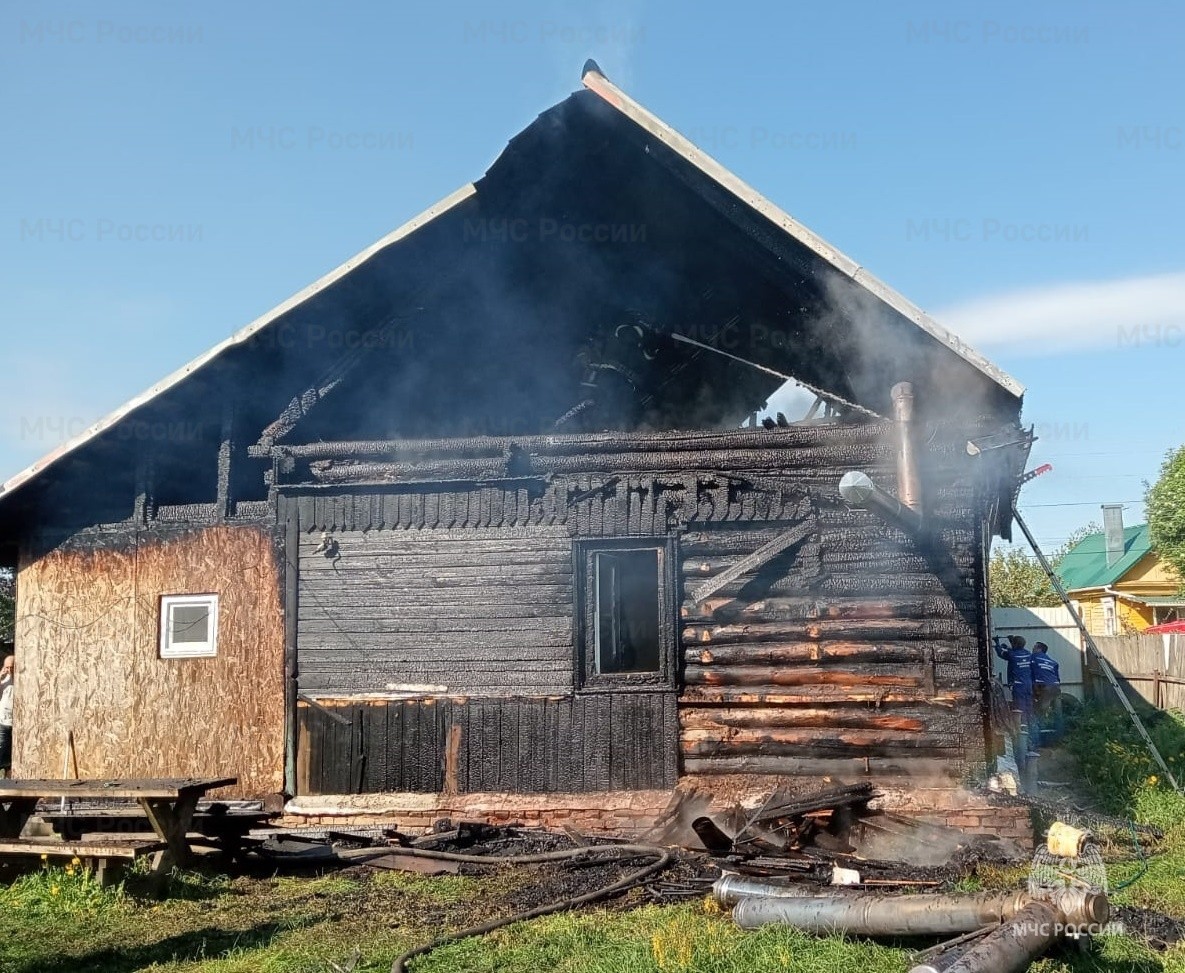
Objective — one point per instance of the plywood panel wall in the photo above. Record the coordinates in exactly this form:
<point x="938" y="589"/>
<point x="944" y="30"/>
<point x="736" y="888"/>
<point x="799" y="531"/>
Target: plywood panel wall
<point x="88" y="658"/>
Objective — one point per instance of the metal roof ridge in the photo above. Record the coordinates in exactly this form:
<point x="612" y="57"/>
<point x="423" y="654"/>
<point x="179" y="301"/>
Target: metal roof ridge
<point x="596" y="82"/>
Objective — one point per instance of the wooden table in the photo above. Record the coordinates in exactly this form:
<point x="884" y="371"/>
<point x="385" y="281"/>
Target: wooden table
<point x="168" y="803"/>
<point x="225" y="827"/>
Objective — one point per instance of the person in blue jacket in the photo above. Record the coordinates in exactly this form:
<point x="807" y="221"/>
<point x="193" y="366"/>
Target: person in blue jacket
<point x="1020" y="674"/>
<point x="1047" y="685"/>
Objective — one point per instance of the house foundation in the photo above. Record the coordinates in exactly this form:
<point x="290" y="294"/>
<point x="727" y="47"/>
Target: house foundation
<point x="632" y="812"/>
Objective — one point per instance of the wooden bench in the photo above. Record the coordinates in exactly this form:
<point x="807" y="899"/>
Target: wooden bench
<point x="95" y="855"/>
<point x="226" y="827"/>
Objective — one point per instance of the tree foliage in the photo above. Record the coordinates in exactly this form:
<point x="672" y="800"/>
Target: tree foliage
<point x="1165" y="502"/>
<point x="1017" y="579"/>
<point x="7" y="605"/>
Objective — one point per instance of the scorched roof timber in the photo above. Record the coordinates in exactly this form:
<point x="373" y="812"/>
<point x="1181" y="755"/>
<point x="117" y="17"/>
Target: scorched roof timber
<point x="596" y="236"/>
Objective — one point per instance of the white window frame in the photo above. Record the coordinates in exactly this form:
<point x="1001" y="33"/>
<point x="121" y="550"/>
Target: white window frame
<point x="188" y="650"/>
<point x="1110" y="616"/>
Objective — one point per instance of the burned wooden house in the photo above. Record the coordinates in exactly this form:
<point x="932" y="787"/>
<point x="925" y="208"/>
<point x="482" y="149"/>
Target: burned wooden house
<point x="490" y="510"/>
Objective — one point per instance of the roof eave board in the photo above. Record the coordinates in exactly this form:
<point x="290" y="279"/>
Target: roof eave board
<point x="239" y="337"/>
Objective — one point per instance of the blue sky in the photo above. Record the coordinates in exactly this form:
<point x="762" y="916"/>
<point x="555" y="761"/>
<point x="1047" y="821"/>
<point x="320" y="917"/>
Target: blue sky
<point x="1016" y="169"/>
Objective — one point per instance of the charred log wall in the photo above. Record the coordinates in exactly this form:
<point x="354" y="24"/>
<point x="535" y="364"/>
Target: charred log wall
<point x="852" y="649"/>
<point x="865" y="661"/>
<point x="859" y="651"/>
<point x="595" y="742"/>
<point x="88" y="615"/>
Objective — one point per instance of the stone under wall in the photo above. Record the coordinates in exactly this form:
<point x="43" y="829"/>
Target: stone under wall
<point x="627" y="812"/>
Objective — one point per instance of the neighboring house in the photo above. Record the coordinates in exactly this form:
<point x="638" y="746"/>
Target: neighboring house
<point x="470" y="515"/>
<point x="1118" y="581"/>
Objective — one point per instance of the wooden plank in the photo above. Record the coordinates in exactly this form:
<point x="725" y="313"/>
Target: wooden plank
<point x="393" y="772"/>
<point x="598" y="728"/>
<point x="474" y="747"/>
<point x="303" y="747"/>
<point x="910" y="769"/>
<point x="479" y="660"/>
<point x="306" y="510"/>
<point x="755" y="560"/>
<point x="577" y="764"/>
<point x="291" y="640"/>
<point x="555" y="746"/>
<point x="314" y="747"/>
<point x="375" y="743"/>
<point x="80" y="849"/>
<point x="507" y="743"/>
<point x="412" y="746"/>
<point x="670" y="737"/>
<point x="164" y="788"/>
<point x="541" y="628"/>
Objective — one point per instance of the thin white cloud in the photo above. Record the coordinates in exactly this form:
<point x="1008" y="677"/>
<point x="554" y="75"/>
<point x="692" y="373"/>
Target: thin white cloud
<point x="1130" y="312"/>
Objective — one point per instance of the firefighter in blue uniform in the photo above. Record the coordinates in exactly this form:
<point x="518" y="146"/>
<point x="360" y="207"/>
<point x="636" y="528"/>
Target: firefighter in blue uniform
<point x="1020" y="674"/>
<point x="1047" y="683"/>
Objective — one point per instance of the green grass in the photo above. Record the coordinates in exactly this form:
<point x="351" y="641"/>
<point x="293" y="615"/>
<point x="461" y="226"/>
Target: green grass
<point x="59" y="921"/>
<point x="56" y="922"/>
<point x="1116" y="766"/>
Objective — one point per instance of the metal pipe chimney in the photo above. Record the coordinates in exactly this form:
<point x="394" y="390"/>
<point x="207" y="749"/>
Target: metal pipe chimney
<point x="1113" y="531"/>
<point x="909" y="487"/>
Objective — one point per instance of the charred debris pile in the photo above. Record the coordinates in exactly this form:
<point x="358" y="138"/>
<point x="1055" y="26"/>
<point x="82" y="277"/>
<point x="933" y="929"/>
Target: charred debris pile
<point x="824" y="862"/>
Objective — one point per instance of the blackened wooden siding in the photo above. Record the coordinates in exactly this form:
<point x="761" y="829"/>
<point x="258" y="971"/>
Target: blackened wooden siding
<point x="476" y="610"/>
<point x="856" y="651"/>
<point x="593" y="742"/>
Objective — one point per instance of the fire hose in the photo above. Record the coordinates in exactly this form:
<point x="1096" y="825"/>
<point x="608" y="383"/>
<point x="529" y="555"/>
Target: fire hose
<point x="662" y="857"/>
<point x="1011" y="928"/>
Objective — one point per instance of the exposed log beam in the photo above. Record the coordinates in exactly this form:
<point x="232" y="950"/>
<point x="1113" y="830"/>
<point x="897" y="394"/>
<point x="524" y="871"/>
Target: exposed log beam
<point x="795" y="653"/>
<point x="764" y="554"/>
<point x="795" y="437"/>
<point x="875" y="628"/>
<point x="775" y="609"/>
<point x="720" y="721"/>
<point x="819" y="460"/>
<point x="801" y="676"/>
<point x="913" y="769"/>
<point x="822" y="695"/>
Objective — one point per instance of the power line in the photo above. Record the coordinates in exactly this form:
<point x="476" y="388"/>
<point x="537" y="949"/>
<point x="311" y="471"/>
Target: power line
<point x="1075" y="503"/>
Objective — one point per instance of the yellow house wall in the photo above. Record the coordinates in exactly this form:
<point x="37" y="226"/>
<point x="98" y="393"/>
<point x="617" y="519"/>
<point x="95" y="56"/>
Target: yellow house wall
<point x="1131" y="617"/>
<point x="1149" y="576"/>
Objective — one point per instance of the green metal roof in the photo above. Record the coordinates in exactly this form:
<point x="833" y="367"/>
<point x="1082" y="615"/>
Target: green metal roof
<point x="1085" y="564"/>
<point x="1157" y="601"/>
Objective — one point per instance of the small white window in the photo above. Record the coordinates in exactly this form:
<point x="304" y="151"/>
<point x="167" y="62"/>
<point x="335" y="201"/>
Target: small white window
<point x="188" y="626"/>
<point x="1110" y="622"/>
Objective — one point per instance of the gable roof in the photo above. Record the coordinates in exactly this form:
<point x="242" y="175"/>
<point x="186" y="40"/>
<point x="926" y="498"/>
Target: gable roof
<point x="1085" y="564"/>
<point x="602" y="115"/>
<point x="596" y="82"/>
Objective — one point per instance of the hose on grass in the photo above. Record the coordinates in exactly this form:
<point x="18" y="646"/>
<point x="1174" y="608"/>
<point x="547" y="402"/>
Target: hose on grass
<point x="1143" y="861"/>
<point x="616" y="853"/>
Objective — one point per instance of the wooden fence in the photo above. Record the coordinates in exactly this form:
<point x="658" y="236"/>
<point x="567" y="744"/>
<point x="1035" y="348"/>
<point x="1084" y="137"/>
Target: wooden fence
<point x="1151" y="667"/>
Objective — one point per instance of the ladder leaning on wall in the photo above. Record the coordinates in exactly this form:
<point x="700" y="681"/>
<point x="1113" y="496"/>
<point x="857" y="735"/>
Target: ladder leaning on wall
<point x="1093" y="651"/>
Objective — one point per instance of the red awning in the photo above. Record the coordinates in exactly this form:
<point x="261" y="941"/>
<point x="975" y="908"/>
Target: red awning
<point x="1166" y="628"/>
